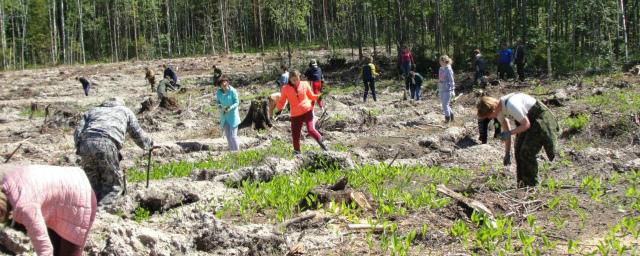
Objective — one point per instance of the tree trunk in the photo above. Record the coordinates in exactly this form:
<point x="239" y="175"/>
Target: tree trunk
<point x="84" y="61"/>
<point x="157" y="25"/>
<point x="166" y="4"/>
<point x="225" y="42"/>
<point x="3" y="37"/>
<point x="134" y="5"/>
<point x="624" y="30"/>
<point x="549" y="70"/>
<point x="25" y="11"/>
<point x="325" y="24"/>
<point x="360" y="26"/>
<point x="64" y="34"/>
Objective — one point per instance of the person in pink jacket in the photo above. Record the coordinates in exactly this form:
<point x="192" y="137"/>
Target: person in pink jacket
<point x="300" y="97"/>
<point x="55" y="204"/>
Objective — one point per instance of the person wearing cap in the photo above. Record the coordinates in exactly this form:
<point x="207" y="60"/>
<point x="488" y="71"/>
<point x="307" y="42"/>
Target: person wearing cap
<point x="314" y="75"/>
<point x="536" y="128"/>
<point x="228" y="101"/>
<point x="56" y="205"/>
<point x="300" y="97"/>
<point x="98" y="138"/>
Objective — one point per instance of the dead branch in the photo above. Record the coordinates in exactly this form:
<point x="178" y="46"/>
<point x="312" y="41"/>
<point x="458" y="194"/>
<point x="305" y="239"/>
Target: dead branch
<point x="12" y="153"/>
<point x="471" y="203"/>
<point x="299" y="219"/>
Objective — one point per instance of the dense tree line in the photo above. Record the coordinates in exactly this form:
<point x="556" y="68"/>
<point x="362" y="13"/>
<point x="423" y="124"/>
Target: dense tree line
<point x="563" y="35"/>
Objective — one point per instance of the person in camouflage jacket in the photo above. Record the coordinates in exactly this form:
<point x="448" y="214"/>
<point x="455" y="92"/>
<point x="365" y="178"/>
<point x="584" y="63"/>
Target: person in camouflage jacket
<point x="99" y="137"/>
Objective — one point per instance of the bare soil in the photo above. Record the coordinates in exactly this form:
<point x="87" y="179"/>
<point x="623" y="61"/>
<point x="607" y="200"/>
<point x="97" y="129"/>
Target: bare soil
<point x="390" y="131"/>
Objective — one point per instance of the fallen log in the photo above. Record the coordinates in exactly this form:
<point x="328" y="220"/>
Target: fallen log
<point x="471" y="203"/>
<point x="372" y="227"/>
<point x="299" y="219"/>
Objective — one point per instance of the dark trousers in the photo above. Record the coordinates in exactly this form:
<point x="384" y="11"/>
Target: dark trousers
<point x="370" y="84"/>
<point x="415" y="91"/>
<point x="505" y="71"/>
<point x="542" y="133"/>
<point x="479" y="76"/>
<point x="520" y="67"/>
<point x="86" y="88"/>
<point x="483" y="129"/>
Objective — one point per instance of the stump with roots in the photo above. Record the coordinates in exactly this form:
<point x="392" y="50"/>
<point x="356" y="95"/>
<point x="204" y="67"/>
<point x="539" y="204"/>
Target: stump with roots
<point x="256" y="116"/>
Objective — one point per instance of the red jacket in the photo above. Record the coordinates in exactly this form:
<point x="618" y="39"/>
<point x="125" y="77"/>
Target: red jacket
<point x="299" y="97"/>
<point x="59" y="198"/>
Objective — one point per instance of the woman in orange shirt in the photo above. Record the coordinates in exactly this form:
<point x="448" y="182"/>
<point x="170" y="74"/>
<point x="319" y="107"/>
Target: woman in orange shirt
<point x="300" y="97"/>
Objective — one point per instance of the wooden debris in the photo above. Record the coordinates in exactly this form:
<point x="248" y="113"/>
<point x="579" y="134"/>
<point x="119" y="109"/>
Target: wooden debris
<point x="372" y="227"/>
<point x="337" y="193"/>
<point x="299" y="219"/>
<point x="12" y="153"/>
<point x="257" y="116"/>
<point x="471" y="203"/>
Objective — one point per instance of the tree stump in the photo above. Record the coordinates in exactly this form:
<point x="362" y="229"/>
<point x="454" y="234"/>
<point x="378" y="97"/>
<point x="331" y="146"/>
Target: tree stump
<point x="256" y="116"/>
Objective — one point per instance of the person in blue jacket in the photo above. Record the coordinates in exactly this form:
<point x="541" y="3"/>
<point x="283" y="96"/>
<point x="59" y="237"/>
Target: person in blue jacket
<point x="228" y="101"/>
<point x="505" y="71"/>
<point x="170" y="72"/>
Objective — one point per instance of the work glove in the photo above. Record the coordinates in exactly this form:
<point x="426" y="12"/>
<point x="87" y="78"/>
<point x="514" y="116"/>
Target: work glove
<point x="226" y="109"/>
<point x="507" y="159"/>
<point x="505" y="135"/>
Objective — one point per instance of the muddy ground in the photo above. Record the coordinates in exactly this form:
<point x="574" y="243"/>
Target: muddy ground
<point x="590" y="188"/>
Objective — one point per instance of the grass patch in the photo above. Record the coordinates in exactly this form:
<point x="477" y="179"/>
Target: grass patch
<point x="28" y="112"/>
<point x="141" y="214"/>
<point x="578" y="122"/>
<point x="229" y="161"/>
<point x="393" y="188"/>
<point x="623" y="101"/>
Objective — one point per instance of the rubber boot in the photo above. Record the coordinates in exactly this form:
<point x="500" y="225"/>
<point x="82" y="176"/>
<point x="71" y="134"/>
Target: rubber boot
<point x="451" y="117"/>
<point x="447" y="119"/>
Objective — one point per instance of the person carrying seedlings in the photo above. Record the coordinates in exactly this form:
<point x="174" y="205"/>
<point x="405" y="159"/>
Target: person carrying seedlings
<point x="284" y="77"/>
<point x="536" y="127"/>
<point x="446" y="87"/>
<point x="169" y="72"/>
<point x="86" y="85"/>
<point x="519" y="59"/>
<point x="314" y="74"/>
<point x="228" y="101"/>
<point x="217" y="73"/>
<point x="480" y="66"/>
<point x="55" y="205"/>
<point x="151" y="78"/>
<point x="300" y="97"/>
<point x="406" y="61"/>
<point x="505" y="71"/>
<point x="415" y="84"/>
<point x="369" y="75"/>
<point x="99" y="137"/>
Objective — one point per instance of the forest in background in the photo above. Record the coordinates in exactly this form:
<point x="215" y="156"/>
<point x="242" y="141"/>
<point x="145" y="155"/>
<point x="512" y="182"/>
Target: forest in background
<point x="561" y="35"/>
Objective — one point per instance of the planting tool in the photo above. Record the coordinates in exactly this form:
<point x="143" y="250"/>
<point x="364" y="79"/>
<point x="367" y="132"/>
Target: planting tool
<point x="149" y="165"/>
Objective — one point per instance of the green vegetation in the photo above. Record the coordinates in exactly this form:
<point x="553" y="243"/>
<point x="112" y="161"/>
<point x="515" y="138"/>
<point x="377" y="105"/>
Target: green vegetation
<point x="577" y="123"/>
<point x="226" y="162"/>
<point x="28" y="112"/>
<point x="141" y="214"/>
<point x="614" y="101"/>
<point x="387" y="185"/>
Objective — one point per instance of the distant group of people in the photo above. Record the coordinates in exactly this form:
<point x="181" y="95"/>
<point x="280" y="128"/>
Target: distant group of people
<point x="57" y="205"/>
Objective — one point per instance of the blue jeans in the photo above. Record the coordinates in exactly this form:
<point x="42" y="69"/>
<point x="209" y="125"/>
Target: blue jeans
<point x="232" y="137"/>
<point x="415" y="92"/>
<point x="406" y="67"/>
<point x="445" y="97"/>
